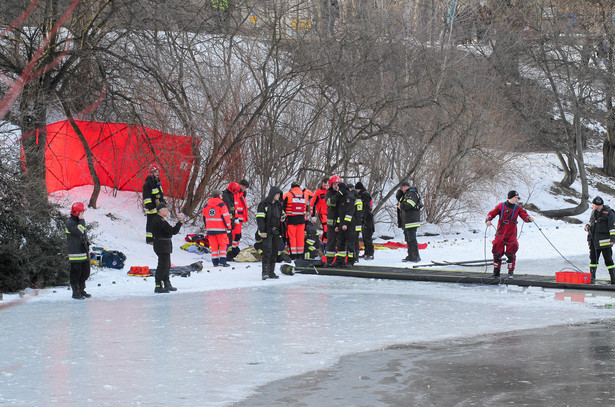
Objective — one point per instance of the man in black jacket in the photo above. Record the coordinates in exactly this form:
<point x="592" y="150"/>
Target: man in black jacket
<point x="152" y="196"/>
<point x="78" y="251"/>
<point x="601" y="237"/>
<point x="269" y="218"/>
<point x="163" y="246"/>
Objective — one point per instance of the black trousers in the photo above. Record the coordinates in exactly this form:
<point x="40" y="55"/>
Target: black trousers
<point x="164" y="265"/>
<point x="413" y="245"/>
<point x="368" y="240"/>
<point x="149" y="237"/>
<point x="331" y="243"/>
<point x="79" y="272"/>
<point x="594" y="254"/>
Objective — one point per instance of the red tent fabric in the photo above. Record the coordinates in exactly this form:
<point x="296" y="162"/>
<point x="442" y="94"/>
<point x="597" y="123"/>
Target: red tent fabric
<point x="122" y="156"/>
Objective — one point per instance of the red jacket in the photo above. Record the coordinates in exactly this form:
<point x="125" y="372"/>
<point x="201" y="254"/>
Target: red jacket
<point x="319" y="203"/>
<point x="508" y="213"/>
<point x="294" y="206"/>
<point x="216" y="217"/>
<point x="241" y="208"/>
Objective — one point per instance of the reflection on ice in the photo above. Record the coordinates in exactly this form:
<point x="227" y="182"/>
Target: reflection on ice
<point x="213" y="348"/>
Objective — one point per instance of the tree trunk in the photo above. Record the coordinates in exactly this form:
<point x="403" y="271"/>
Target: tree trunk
<point x="34" y="141"/>
<point x="88" y="154"/>
<point x="608" y="148"/>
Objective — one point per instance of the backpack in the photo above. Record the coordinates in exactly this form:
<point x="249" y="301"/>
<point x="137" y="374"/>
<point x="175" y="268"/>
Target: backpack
<point x="113" y="259"/>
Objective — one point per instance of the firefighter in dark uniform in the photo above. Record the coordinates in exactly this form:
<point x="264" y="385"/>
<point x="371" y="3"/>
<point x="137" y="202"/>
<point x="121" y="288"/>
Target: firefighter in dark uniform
<point x="163" y="246"/>
<point x="152" y="196"/>
<point x="409" y="205"/>
<point x="367" y="221"/>
<point x="78" y="251"/>
<point x="601" y="237"/>
<point x="269" y="218"/>
<point x="346" y="232"/>
<point x="332" y="197"/>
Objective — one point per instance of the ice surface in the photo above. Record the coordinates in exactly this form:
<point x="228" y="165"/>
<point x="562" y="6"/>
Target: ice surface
<point x="213" y="348"/>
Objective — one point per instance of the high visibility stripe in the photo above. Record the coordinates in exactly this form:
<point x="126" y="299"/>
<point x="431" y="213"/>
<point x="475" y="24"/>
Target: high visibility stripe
<point x="216" y="230"/>
<point x="411" y="202"/>
<point x="153" y="211"/>
<point x="260" y="214"/>
<point x="310" y="242"/>
<point x="604" y="242"/>
<point x="358" y="228"/>
<point x="77" y="256"/>
<point x="347" y="218"/>
<point x="155" y="191"/>
<point x="612" y="232"/>
<point x="593" y="265"/>
<point x="67" y="232"/>
<point x="148" y="234"/>
<point x="411" y="225"/>
<point x="610" y="267"/>
<point x="146" y="201"/>
<point x="81" y="228"/>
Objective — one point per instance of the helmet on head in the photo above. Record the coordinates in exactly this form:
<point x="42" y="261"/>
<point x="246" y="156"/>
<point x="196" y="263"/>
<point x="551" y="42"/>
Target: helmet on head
<point x="153" y="168"/>
<point x="77" y="208"/>
<point x="334" y="179"/>
<point x="233" y="187"/>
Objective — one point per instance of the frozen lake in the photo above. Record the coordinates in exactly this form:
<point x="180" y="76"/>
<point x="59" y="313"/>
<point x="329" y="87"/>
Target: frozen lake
<point x="215" y="348"/>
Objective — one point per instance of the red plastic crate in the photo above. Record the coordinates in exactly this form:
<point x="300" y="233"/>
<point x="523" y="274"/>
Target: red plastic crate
<point x="572" y="277"/>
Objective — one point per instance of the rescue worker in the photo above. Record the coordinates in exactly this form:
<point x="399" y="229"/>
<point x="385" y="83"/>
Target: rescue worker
<point x="345" y="227"/>
<point x="600" y="237"/>
<point x="217" y="224"/>
<point x="241" y="216"/>
<point x="319" y="208"/>
<point x="309" y="197"/>
<point x="295" y="209"/>
<point x="228" y="196"/>
<point x="313" y="246"/>
<point x="152" y="196"/>
<point x="409" y="205"/>
<point x="367" y="221"/>
<point x="505" y="241"/>
<point x="78" y="250"/>
<point x="332" y="198"/>
<point x="163" y="246"/>
<point x="269" y="218"/>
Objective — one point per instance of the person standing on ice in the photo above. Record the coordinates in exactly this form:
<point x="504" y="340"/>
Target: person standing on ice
<point x="269" y="218"/>
<point x="78" y="251"/>
<point x="152" y="196"/>
<point x="367" y="221"/>
<point x="409" y="218"/>
<point x="505" y="241"/>
<point x="163" y="246"/>
<point x="601" y="237"/>
<point x="217" y="221"/>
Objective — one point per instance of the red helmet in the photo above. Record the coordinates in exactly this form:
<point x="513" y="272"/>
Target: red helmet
<point x="334" y="179"/>
<point x="234" y="187"/>
<point x="153" y="168"/>
<point x="77" y="208"/>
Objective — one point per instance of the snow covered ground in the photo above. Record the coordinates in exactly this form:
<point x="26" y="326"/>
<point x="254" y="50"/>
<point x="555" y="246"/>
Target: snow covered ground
<point x="226" y="331"/>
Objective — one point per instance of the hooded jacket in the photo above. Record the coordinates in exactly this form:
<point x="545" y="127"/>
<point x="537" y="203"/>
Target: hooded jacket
<point x="269" y="214"/>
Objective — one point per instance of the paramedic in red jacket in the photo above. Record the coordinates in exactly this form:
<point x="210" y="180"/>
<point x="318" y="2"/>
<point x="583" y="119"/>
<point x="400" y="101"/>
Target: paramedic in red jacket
<point x="295" y="208"/>
<point x="505" y="241"/>
<point x="319" y="207"/>
<point x="217" y="224"/>
<point x="241" y="217"/>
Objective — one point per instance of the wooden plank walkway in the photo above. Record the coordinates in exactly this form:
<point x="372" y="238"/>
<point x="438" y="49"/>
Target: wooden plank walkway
<point x="446" y="275"/>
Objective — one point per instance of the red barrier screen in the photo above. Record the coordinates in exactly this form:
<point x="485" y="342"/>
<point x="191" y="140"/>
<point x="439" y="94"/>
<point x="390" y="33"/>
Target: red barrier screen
<point x="122" y="156"/>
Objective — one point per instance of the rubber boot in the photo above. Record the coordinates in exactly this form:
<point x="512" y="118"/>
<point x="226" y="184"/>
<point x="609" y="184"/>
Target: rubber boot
<point x="83" y="293"/>
<point x="592" y="271"/>
<point x="264" y="270"/>
<point x="496" y="273"/>
<point x="77" y="293"/>
<point x="612" y="274"/>
<point x="160" y="289"/>
<point x="168" y="286"/>
<point x="271" y="271"/>
<point x="415" y="253"/>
